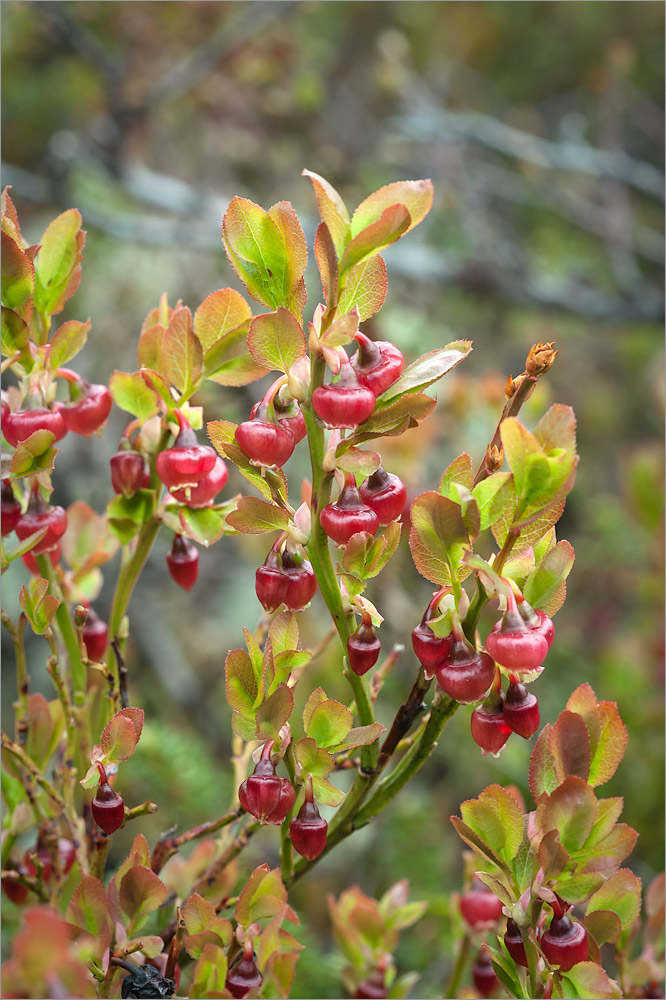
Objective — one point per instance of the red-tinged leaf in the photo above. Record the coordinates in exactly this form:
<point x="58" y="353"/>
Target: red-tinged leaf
<point x="18" y="278"/>
<point x="119" y="739"/>
<point x="545" y="581"/>
<point x="10" y="220"/>
<point x="276" y="340"/>
<point x="553" y="858"/>
<point x="576" y="887"/>
<point x="589" y="981"/>
<point x="498" y="887"/>
<point x="326" y="793"/>
<point x="393" y="420"/>
<point x="526" y="458"/>
<point x="607" y="853"/>
<point x="230" y="363"/>
<point x="34" y="455"/>
<point x="571" y="810"/>
<point x="241" y="682"/>
<point x="426" y="370"/>
<point x="198" y="914"/>
<point x="130" y="393"/>
<point x="458" y="471"/>
<point x="135" y="715"/>
<point x="327" y="262"/>
<point x="332" y="210"/>
<point x="437" y="537"/>
<point x="148" y="349"/>
<point x="255" y="517"/>
<point x="342" y="330"/>
<point x="139" y="855"/>
<point x="393" y="222"/>
<point x="255" y="246"/>
<point x="66" y="343"/>
<point x="365" y="288"/>
<point x="416" y="196"/>
<point x="609" y="813"/>
<point x="293" y="238"/>
<point x="609" y="751"/>
<point x="477" y="843"/>
<point x="311" y="758"/>
<point x="283" y="633"/>
<point x="557" y="430"/>
<point x="604" y="926"/>
<point x="180" y="353"/>
<point x="569" y="744"/>
<point x="534" y="524"/>
<point x="316" y="698"/>
<point x="58" y="263"/>
<point x="38" y="606"/>
<point x="274" y="712"/>
<point x="497" y="818"/>
<point x="220" y="935"/>
<point x="141" y="892"/>
<point x="621" y="894"/>
<point x="360" y="736"/>
<point x="357" y="460"/>
<point x="263" y="895"/>
<point x="15" y="336"/>
<point x="219" y="315"/>
<point x="87" y="542"/>
<point x="329" y="723"/>
<point x="89" y="908"/>
<point x="44" y="728"/>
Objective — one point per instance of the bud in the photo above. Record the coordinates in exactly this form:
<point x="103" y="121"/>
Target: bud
<point x="540" y="359"/>
<point x="494" y="458"/>
<point x="80" y="616"/>
<point x="510" y="387"/>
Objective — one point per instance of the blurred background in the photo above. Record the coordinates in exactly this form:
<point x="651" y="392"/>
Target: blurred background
<point x="541" y="126"/>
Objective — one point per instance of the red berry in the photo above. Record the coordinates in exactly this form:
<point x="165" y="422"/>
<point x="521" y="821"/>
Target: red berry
<point x="483" y="974"/>
<point x="377" y="363"/>
<point x="513" y="940"/>
<point x="285" y="803"/>
<point x="261" y="793"/>
<point x="95" y="635"/>
<point x="244" y="975"/>
<point x="344" y="403"/>
<point x="385" y="493"/>
<point x="19" y="425"/>
<point x="11" y="508"/>
<point x="270" y="583"/>
<point x="536" y="620"/>
<point x="465" y="674"/>
<point x="430" y="649"/>
<point x="372" y="988"/>
<point x="292" y="418"/>
<point x="363" y="647"/>
<point x="127" y="469"/>
<point x="205" y="491"/>
<point x="521" y="710"/>
<point x="31" y="562"/>
<point x="265" y="442"/>
<point x="41" y="515"/>
<point x="564" y="943"/>
<point x="489" y="728"/>
<point x="88" y="413"/>
<point x="308" y="829"/>
<point x="348" y="515"/>
<point x="186" y="461"/>
<point x="108" y="808"/>
<point x="66" y="854"/>
<point x="480" y="907"/>
<point x="183" y="562"/>
<point x="14" y="890"/>
<point x="301" y="580"/>
<point x="515" y="646"/>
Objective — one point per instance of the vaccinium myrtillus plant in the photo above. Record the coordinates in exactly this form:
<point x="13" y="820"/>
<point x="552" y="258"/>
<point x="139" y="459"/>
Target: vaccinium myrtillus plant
<point x="548" y="889"/>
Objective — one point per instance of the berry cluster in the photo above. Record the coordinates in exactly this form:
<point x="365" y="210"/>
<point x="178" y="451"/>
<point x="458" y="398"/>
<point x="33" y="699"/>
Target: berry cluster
<point x="286" y="577"/>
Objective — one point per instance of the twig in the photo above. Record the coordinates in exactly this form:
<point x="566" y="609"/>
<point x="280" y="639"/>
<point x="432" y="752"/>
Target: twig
<point x="240" y="841"/>
<point x="168" y="846"/>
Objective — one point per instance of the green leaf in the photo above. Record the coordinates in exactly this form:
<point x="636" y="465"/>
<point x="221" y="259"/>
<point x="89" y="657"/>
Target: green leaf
<point x="360" y="736"/>
<point x="497" y="818"/>
<point x="127" y="514"/>
<point x="477" y="843"/>
<point x="416" y="196"/>
<point x="204" y="525"/>
<point x="39" y="607"/>
<point x="241" y="682"/>
<point x="15" y="336"/>
<point x="381" y="550"/>
<point x="437" y="537"/>
<point x="523" y="866"/>
<point x="263" y="895"/>
<point x="395" y="419"/>
<point x="332" y="210"/>
<point x="141" y="892"/>
<point x="365" y="288"/>
<point x="607" y="732"/>
<point x="131" y="394"/>
<point x="311" y="758"/>
<point x="198" y="914"/>
<point x="210" y="972"/>
<point x="621" y="894"/>
<point x="608" y="815"/>
<point x="588" y="981"/>
<point x="358" y="461"/>
<point x="34" y="455"/>
<point x="426" y="370"/>
<point x="58" y="263"/>
<point x="276" y="340"/>
<point x="458" y="471"/>
<point x="89" y="907"/>
<point x="283" y="632"/>
<point x="44" y="728"/>
<point x="571" y="809"/>
<point x="88" y="541"/>
<point x="66" y="343"/>
<point x="527" y="460"/>
<point x="389" y="227"/>
<point x="545" y="582"/>
<point x="492" y="495"/>
<point x="219" y="315"/>
<point x="274" y="712"/>
<point x="329" y="723"/>
<point x="256" y="250"/>
<point x="296" y="249"/>
<point x="18" y="278"/>
<point x="327" y="262"/>
<point x="180" y="354"/>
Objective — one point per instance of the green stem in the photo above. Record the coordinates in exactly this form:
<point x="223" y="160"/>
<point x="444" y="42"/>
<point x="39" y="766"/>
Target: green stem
<point x="77" y="668"/>
<point x="462" y="961"/>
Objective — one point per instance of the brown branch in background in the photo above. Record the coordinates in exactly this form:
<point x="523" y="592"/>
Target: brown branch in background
<point x="168" y="845"/>
<point x="240" y="841"/>
<point x="175" y="946"/>
<point x="122" y="673"/>
<point x="404" y="718"/>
